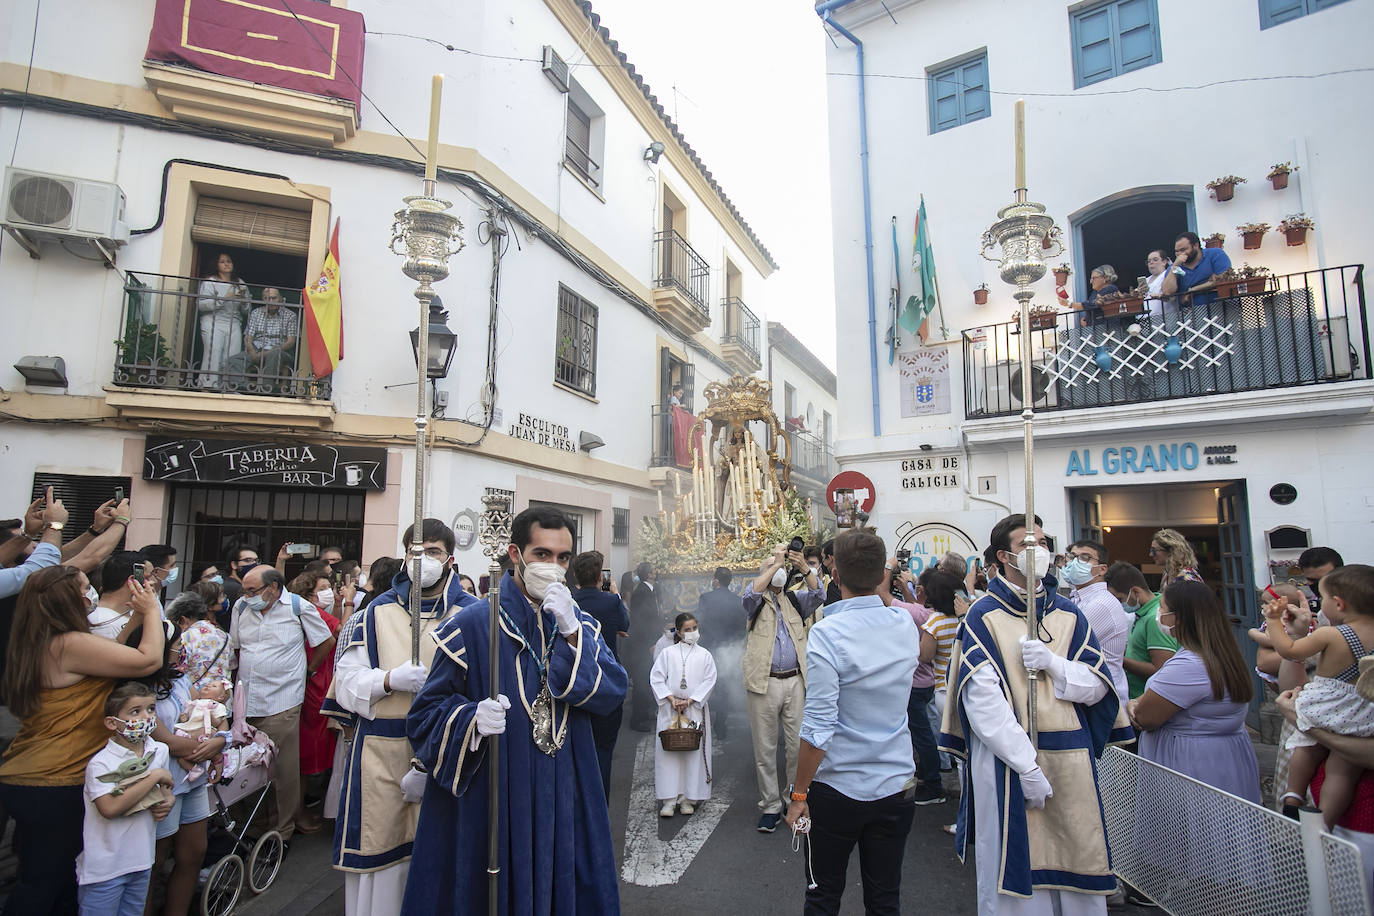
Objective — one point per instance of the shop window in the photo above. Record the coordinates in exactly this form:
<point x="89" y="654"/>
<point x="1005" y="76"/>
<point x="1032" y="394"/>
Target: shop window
<point x="81" y="494"/>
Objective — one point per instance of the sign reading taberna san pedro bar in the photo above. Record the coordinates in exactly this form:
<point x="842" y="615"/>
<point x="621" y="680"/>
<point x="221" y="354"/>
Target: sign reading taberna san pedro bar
<point x="261" y="462"/>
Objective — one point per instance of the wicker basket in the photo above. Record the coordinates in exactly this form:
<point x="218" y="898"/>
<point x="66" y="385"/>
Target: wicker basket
<point x="680" y="736"/>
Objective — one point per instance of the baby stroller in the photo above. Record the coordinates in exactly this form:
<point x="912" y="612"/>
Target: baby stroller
<point x="247" y="778"/>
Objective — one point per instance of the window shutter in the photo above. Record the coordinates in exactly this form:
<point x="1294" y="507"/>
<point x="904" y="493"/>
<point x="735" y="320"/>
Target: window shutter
<point x="1136" y="35"/>
<point x="81" y="494"/>
<point x="1093" y="45"/>
<point x="945" y="102"/>
<point x="975" y="95"/>
<point x="249" y="225"/>
<point x="689" y="383"/>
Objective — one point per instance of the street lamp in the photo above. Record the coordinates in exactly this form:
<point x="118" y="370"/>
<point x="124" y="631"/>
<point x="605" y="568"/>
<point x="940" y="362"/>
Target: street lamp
<point x="443" y="343"/>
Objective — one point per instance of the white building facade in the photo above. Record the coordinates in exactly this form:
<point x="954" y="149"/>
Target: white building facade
<point x="1244" y="423"/>
<point x="602" y="266"/>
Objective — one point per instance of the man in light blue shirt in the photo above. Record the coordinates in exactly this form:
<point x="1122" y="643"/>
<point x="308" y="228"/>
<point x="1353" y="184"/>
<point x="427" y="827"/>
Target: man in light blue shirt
<point x="855" y="777"/>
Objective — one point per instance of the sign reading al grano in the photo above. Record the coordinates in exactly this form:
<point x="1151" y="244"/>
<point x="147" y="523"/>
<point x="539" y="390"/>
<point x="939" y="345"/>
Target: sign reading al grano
<point x="1128" y="459"/>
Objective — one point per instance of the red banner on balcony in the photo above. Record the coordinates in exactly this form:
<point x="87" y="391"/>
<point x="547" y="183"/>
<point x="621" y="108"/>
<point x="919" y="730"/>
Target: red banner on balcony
<point x="294" y="44"/>
<point x="684" y="443"/>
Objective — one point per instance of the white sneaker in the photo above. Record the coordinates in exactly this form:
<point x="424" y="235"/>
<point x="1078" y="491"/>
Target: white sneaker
<point x="667" y="809"/>
<point x="686" y="807"/>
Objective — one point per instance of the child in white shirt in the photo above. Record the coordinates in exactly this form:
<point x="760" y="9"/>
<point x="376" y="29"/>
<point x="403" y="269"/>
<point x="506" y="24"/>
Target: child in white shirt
<point x="128" y="788"/>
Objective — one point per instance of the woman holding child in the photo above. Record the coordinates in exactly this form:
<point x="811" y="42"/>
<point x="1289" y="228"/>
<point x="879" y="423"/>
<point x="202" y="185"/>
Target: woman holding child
<point x="58" y="676"/>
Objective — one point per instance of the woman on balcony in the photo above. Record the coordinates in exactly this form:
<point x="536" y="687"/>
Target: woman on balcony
<point x="220" y="305"/>
<point x="1161" y="285"/>
<point x="1103" y="282"/>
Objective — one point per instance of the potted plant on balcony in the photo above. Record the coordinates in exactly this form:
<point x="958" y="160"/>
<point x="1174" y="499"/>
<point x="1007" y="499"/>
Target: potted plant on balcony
<point x="141" y="345"/>
<point x="1278" y="175"/>
<point x="1242" y="281"/>
<point x="1215" y="240"/>
<point x="1253" y="234"/>
<point x="1042" y="318"/>
<point x="1295" y="227"/>
<point x="980" y="294"/>
<point x="1224" y="188"/>
<point x="1062" y="274"/>
<point x="1113" y="304"/>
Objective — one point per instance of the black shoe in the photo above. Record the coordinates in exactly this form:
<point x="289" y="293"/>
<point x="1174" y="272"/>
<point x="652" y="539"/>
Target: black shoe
<point x="1136" y="898"/>
<point x="929" y="794"/>
<point x="768" y="823"/>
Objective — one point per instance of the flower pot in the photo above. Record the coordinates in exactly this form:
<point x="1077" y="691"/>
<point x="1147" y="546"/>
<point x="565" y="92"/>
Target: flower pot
<point x="1296" y="236"/>
<point x="1250" y="286"/>
<point x="980" y="297"/>
<point x="1042" y="322"/>
<point x="1254" y="286"/>
<point x="1280" y="180"/>
<point x="1131" y="306"/>
<point x="1225" y="191"/>
<point x="1253" y="239"/>
<point x="1213" y="242"/>
<point x="1061" y="278"/>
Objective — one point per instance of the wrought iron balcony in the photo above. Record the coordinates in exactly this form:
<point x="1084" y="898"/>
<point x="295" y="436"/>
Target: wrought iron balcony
<point x="188" y="334"/>
<point x="1305" y="328"/>
<point x="682" y="281"/>
<point x="811" y="457"/>
<point x="740" y="338"/>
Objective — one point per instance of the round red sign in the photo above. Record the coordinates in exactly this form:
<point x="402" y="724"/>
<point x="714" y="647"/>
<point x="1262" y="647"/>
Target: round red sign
<point x="864" y="492"/>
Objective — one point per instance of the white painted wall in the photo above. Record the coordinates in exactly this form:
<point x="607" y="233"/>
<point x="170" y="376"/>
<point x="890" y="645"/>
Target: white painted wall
<point x="1082" y="145"/>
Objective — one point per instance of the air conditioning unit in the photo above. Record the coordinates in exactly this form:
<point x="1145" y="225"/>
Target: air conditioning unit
<point x="998" y="387"/>
<point x="555" y="68"/>
<point x="60" y="206"/>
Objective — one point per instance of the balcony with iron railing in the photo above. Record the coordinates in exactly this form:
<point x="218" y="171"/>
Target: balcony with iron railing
<point x="1307" y="328"/>
<point x="739" y="342"/>
<point x="188" y="335"/>
<point x="811" y="457"/>
<point x="682" y="282"/>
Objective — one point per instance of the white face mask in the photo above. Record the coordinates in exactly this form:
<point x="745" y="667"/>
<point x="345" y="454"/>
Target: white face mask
<point x="539" y="576"/>
<point x="325" y="597"/>
<point x="1164" y="628"/>
<point x="1042" y="562"/>
<point x="780" y="578"/>
<point x="691" y="637"/>
<point x="92" y="596"/>
<point x="430" y="570"/>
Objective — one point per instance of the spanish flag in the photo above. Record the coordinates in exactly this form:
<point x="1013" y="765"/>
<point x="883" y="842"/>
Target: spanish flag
<point x="324" y="313"/>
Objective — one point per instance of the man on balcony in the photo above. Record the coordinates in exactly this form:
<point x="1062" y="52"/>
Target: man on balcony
<point x="1197" y="268"/>
<point x="269" y="342"/>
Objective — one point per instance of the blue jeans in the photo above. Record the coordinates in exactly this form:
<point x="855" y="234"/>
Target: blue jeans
<point x="922" y="737"/>
<point x="934" y="712"/>
<point x="122" y="896"/>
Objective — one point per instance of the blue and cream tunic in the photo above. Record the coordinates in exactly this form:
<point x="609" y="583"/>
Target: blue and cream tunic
<point x="1025" y="852"/>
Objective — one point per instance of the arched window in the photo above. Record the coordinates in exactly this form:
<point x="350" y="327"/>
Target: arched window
<point x="1120" y="230"/>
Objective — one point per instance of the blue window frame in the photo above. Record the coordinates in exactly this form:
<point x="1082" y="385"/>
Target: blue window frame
<point x="1113" y="38"/>
<point x="1277" y="12"/>
<point x="958" y="92"/>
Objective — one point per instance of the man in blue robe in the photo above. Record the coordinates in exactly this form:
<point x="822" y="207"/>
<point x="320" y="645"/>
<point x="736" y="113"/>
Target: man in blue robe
<point x="555" y="672"/>
<point x="1033" y="811"/>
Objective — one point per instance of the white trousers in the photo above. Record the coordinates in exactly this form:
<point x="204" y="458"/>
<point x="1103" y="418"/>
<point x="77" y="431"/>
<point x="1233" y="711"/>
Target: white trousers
<point x="783" y="702"/>
<point x="376" y="893"/>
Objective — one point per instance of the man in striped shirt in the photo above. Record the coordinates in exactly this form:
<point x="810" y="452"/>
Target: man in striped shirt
<point x="269" y="340"/>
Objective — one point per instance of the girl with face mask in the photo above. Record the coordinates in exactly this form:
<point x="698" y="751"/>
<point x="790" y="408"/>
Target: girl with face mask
<point x="682" y="678"/>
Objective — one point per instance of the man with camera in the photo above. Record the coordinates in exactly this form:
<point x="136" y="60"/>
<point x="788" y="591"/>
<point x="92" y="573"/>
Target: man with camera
<point x="774" y="656"/>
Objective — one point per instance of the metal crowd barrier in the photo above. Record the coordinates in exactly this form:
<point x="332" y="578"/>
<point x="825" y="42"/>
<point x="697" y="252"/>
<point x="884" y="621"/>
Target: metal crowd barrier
<point x="1198" y="851"/>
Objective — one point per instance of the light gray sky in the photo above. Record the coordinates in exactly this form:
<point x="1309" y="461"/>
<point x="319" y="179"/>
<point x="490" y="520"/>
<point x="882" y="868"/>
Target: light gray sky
<point x="750" y="99"/>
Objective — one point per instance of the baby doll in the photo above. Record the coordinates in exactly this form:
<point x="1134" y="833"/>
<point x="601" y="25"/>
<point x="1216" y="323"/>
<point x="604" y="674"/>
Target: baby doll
<point x="204" y="716"/>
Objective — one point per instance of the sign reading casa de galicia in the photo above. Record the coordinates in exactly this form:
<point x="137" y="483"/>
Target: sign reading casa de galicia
<point x="1166" y="456"/>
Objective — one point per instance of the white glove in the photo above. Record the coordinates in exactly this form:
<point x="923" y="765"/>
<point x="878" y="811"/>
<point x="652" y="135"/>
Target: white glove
<point x="558" y="601"/>
<point x="491" y="715"/>
<point x="1036" y="788"/>
<point x="1036" y="656"/>
<point x="408" y="677"/>
<point x="413" y="786"/>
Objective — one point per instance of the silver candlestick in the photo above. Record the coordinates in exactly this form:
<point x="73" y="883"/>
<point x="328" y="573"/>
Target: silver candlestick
<point x="430" y="236"/>
<point x="493" y="533"/>
<point x="1021" y="231"/>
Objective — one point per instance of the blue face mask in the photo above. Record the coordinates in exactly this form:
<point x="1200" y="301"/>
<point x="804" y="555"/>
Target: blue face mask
<point x="218" y="580"/>
<point x="1077" y="572"/>
<point x="171" y="576"/>
<point x="255" y="603"/>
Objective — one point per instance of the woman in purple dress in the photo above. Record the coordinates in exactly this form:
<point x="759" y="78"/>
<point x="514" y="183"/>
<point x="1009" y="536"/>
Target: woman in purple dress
<point x="1192" y="713"/>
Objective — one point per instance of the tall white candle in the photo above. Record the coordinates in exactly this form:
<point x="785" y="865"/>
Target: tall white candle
<point x="659" y="493"/>
<point x="1020" y="131"/>
<point x="432" y="151"/>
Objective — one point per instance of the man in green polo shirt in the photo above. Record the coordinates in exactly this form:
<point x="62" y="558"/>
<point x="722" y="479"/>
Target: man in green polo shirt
<point x="1148" y="647"/>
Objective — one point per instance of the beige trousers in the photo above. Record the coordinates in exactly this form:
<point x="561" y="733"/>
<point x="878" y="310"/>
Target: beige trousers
<point x="783" y="702"/>
<point x="284" y="728"/>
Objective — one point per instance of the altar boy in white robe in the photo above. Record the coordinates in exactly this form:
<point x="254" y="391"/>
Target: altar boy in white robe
<point x="682" y="678"/>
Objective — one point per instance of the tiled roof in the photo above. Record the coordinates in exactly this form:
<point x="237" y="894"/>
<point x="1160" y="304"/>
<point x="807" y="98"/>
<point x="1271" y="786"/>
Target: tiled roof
<point x="672" y="127"/>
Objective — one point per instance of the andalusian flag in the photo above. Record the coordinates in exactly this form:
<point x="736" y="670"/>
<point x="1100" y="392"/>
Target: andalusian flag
<point x="324" y="313"/>
<point x="926" y="297"/>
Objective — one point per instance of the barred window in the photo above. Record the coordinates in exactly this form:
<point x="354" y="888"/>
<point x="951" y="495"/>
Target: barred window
<point x="574" y="362"/>
<point x="620" y="526"/>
